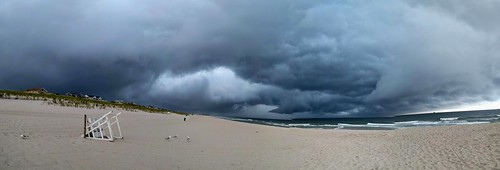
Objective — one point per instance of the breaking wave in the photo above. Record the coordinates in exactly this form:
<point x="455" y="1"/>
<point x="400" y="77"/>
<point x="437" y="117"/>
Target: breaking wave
<point x="450" y="118"/>
<point x="374" y="123"/>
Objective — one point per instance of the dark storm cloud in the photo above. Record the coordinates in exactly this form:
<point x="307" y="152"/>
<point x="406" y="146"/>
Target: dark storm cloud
<point x="280" y="59"/>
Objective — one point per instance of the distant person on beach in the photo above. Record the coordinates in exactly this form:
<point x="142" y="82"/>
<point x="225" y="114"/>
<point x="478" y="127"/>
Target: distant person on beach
<point x="184" y="119"/>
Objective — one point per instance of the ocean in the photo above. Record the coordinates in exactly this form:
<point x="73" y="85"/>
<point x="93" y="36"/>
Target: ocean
<point x="384" y="123"/>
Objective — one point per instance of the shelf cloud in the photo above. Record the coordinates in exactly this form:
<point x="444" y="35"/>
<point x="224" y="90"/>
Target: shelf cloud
<point x="270" y="59"/>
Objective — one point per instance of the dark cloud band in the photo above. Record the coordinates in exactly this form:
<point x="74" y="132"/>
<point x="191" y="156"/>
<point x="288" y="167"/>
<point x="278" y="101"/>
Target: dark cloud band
<point x="279" y="59"/>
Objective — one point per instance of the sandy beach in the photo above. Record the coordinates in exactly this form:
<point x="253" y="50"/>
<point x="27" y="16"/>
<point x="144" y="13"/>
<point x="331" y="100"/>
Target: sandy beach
<point x="54" y="142"/>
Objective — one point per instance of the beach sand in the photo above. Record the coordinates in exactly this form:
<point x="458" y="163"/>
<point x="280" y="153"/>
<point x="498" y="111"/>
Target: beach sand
<point x="54" y="142"/>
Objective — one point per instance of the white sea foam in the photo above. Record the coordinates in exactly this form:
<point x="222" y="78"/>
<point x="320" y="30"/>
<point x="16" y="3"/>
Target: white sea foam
<point x="277" y="124"/>
<point x="349" y="125"/>
<point x="239" y="119"/>
<point x="416" y="123"/>
<point x="407" y="122"/>
<point x="472" y="123"/>
<point x="484" y="119"/>
<point x="328" y="125"/>
<point x="342" y="125"/>
<point x="367" y="126"/>
<point x="449" y="118"/>
<point x="437" y="123"/>
<point x="299" y="124"/>
<point x="381" y="124"/>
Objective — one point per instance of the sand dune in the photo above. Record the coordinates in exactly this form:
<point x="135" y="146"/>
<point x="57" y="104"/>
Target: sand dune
<point x="54" y="142"/>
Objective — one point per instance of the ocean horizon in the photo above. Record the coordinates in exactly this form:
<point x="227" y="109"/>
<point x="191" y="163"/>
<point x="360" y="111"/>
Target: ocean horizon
<point x="383" y="123"/>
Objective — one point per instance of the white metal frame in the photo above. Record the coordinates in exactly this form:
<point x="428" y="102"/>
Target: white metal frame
<point x="99" y="128"/>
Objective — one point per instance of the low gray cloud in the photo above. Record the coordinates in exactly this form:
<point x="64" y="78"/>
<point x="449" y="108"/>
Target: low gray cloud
<point x="273" y="59"/>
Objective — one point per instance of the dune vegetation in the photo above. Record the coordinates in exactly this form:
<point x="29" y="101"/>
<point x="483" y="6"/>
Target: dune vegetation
<point x="70" y="101"/>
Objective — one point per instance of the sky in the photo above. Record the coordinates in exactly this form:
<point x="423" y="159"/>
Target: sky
<point x="278" y="59"/>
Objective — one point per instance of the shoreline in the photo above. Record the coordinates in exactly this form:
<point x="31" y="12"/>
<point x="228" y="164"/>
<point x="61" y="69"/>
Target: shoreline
<point x="376" y="123"/>
<point x="54" y="142"/>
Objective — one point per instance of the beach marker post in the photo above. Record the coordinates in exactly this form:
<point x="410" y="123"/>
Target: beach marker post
<point x="84" y="126"/>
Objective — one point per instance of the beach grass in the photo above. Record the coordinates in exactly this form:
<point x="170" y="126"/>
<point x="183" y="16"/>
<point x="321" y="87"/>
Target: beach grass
<point x="70" y="101"/>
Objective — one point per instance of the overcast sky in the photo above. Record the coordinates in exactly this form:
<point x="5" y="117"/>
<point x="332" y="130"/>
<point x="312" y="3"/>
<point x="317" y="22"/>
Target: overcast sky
<point x="258" y="58"/>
